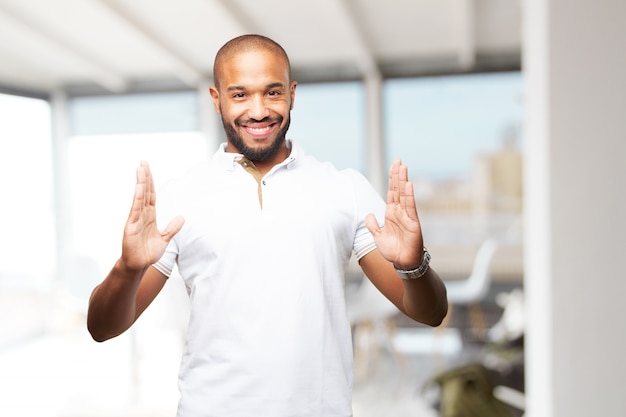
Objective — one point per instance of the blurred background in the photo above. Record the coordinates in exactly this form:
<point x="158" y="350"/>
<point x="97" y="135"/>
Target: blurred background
<point x="460" y="90"/>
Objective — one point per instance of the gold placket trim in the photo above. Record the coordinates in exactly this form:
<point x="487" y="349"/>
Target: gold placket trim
<point x="249" y="166"/>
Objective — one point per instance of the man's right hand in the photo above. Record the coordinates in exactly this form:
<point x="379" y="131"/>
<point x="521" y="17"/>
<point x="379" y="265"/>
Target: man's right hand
<point x="131" y="285"/>
<point x="143" y="244"/>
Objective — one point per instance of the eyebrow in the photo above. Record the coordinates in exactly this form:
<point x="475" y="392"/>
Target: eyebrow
<point x="269" y="86"/>
<point x="275" y="85"/>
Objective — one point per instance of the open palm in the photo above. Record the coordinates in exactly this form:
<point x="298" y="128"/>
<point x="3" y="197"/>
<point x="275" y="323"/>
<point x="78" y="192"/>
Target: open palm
<point x="143" y="243"/>
<point x="400" y="240"/>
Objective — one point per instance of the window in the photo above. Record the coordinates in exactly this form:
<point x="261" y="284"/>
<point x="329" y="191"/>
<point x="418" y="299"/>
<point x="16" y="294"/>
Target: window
<point x="328" y="122"/>
<point x="462" y="141"/>
<point x="27" y="246"/>
<point x="439" y="125"/>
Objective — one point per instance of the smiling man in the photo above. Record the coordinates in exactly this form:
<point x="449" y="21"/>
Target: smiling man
<point x="262" y="234"/>
<point x="254" y="94"/>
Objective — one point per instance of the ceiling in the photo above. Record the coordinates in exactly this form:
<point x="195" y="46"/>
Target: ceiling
<point x="117" y="46"/>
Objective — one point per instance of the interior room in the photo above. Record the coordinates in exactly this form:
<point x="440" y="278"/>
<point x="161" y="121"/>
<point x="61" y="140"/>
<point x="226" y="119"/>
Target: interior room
<point x="509" y="115"/>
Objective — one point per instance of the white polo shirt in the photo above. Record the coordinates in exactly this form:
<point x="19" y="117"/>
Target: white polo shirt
<point x="268" y="333"/>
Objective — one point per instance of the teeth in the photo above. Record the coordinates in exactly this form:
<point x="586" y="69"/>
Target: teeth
<point x="258" y="129"/>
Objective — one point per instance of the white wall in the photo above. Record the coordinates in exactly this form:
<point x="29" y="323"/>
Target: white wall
<point x="575" y="69"/>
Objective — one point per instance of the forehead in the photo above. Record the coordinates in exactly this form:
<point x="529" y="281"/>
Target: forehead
<point x="252" y="68"/>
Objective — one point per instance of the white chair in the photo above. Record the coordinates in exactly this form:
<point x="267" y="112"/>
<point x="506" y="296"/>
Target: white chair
<point x="475" y="287"/>
<point x="472" y="291"/>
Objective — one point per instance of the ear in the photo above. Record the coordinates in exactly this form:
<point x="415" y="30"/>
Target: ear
<point x="292" y="92"/>
<point x="215" y="95"/>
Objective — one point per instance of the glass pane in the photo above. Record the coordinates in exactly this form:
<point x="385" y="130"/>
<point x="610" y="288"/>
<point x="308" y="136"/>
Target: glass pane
<point x="461" y="138"/>
<point x="134" y="113"/>
<point x="439" y="125"/>
<point x="27" y="246"/>
<point x="328" y="122"/>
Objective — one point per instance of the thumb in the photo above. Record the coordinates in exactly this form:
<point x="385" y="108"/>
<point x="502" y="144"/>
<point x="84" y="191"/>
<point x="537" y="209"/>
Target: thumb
<point x="172" y="228"/>
<point x="372" y="224"/>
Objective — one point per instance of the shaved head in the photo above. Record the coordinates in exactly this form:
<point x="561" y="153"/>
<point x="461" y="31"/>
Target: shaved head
<point x="242" y="44"/>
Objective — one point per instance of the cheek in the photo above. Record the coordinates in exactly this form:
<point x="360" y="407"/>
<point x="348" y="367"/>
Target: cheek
<point x="229" y="113"/>
<point x="283" y="108"/>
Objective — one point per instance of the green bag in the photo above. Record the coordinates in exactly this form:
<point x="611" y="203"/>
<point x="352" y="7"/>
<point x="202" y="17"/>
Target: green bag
<point x="467" y="391"/>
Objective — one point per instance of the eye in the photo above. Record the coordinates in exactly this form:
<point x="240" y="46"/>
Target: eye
<point x="274" y="93"/>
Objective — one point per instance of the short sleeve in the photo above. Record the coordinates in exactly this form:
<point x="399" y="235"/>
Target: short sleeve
<point x="367" y="201"/>
<point x="166" y="211"/>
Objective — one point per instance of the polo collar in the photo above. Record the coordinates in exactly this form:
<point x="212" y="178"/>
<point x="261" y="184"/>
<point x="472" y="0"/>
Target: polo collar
<point x="228" y="160"/>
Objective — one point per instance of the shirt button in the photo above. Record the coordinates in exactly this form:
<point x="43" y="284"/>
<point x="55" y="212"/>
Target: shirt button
<point x="264" y="183"/>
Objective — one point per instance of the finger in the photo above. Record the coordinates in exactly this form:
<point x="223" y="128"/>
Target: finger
<point x="402" y="181"/>
<point x="372" y="225"/>
<point x="409" y="201"/>
<point x="150" y="193"/>
<point x="172" y="228"/>
<point x="138" y="197"/>
<point x="142" y="178"/>
<point x="393" y="195"/>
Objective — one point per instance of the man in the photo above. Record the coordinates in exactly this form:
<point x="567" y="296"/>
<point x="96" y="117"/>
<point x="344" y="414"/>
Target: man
<point x="262" y="235"/>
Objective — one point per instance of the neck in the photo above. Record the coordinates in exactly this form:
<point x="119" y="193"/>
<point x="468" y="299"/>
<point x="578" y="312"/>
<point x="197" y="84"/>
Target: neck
<point x="264" y="166"/>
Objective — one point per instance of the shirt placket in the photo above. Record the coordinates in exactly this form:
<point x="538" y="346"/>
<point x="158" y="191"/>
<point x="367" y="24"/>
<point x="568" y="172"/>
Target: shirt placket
<point x="249" y="166"/>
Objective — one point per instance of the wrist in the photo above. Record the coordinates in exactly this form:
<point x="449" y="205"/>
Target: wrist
<point x="415" y="272"/>
<point x="123" y="268"/>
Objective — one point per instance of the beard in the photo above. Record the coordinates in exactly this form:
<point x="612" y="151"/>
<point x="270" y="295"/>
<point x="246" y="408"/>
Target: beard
<point x="252" y="153"/>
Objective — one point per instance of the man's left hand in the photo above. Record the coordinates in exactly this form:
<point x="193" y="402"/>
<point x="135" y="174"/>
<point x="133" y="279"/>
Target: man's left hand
<point x="400" y="240"/>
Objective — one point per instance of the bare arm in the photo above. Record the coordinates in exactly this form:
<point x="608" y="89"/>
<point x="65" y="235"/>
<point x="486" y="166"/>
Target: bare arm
<point x="400" y="245"/>
<point x="422" y="299"/>
<point x="120" y="299"/>
<point x="132" y="284"/>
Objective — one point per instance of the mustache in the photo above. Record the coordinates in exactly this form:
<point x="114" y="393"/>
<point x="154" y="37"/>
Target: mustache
<point x="267" y="119"/>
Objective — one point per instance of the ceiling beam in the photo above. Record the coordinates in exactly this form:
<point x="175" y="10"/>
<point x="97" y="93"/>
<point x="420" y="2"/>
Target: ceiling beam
<point x="184" y="70"/>
<point x="230" y="7"/>
<point x="467" y="33"/>
<point x="103" y="75"/>
<point x="366" y="61"/>
<point x="372" y="79"/>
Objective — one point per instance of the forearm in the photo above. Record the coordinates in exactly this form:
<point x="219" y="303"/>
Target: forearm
<point x="112" y="305"/>
<point x="424" y="298"/>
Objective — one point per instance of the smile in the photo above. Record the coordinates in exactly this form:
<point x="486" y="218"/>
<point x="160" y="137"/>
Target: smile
<point x="259" y="131"/>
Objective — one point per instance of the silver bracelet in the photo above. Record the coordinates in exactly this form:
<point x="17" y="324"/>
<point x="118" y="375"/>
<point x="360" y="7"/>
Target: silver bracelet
<point x="417" y="272"/>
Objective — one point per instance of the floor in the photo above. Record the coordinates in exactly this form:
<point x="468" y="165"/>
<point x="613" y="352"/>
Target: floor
<point x="401" y="384"/>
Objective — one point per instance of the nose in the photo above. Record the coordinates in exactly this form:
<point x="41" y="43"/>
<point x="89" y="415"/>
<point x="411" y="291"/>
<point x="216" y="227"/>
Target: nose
<point x="258" y="109"/>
